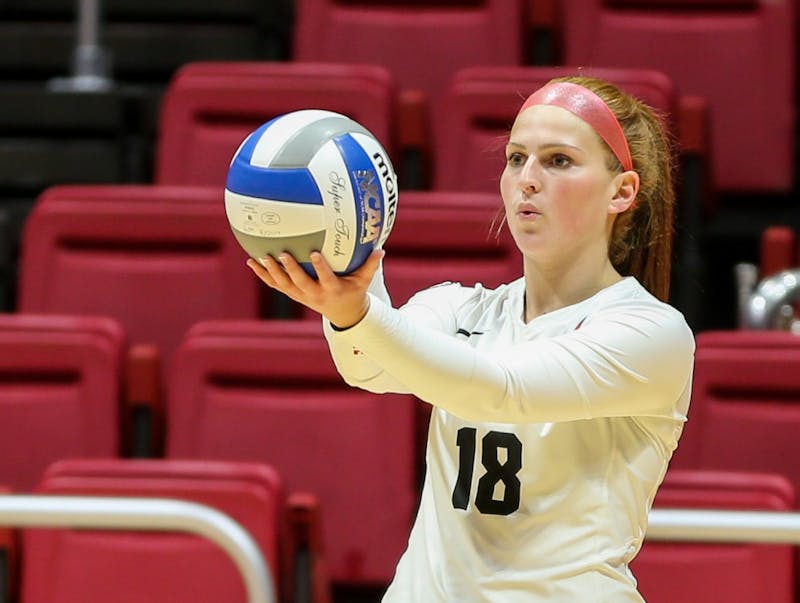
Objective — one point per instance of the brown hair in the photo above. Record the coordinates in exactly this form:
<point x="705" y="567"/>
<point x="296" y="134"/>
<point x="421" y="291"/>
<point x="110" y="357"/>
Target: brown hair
<point x="641" y="239"/>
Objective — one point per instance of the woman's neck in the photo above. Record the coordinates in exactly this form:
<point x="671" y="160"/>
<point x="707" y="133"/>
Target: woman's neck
<point x="547" y="290"/>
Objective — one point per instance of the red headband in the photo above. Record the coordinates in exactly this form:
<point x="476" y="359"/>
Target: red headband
<point x="590" y="108"/>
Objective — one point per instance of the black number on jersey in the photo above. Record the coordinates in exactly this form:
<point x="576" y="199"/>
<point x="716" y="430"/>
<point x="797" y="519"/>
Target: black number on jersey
<point x="496" y="471"/>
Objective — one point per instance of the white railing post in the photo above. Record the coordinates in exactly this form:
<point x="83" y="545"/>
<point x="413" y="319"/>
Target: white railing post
<point x="150" y="514"/>
<point x="724" y="526"/>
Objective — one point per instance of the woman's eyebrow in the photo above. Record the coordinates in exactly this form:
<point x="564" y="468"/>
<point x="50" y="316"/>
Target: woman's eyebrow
<point x="545" y="146"/>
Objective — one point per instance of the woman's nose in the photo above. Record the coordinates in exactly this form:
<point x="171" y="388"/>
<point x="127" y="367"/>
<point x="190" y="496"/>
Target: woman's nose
<point x="530" y="176"/>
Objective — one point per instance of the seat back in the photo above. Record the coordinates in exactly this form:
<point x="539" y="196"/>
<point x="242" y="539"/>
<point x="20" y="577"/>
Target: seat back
<point x="421" y="43"/>
<point x="745" y="408"/>
<point x="268" y="391"/>
<point x="708" y="49"/>
<point x="473" y="120"/>
<point x="155" y="258"/>
<point x="89" y="566"/>
<point x="706" y="571"/>
<point x="209" y="109"/>
<point x="60" y="391"/>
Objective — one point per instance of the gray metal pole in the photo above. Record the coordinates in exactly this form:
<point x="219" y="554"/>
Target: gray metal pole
<point x="91" y="63"/>
<point x="119" y="513"/>
<point x="88" y="22"/>
<point x="723" y="526"/>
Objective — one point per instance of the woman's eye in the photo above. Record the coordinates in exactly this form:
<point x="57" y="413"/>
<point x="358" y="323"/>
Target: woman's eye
<point x="560" y="161"/>
<point x="515" y="159"/>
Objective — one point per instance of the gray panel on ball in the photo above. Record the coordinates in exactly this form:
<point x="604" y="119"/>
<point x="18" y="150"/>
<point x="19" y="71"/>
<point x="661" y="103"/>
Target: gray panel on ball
<point x="300" y="246"/>
<point x="300" y="148"/>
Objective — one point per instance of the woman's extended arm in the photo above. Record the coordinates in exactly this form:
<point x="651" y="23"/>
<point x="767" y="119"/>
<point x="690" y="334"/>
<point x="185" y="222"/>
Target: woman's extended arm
<point x="632" y="360"/>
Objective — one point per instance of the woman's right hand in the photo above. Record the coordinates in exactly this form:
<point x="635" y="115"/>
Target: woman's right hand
<point x="342" y="300"/>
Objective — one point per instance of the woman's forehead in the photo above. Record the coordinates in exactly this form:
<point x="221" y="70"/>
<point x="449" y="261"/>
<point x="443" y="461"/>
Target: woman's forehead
<point x="541" y="123"/>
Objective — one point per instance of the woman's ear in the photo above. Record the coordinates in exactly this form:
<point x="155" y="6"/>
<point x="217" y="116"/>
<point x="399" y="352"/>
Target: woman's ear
<point x="627" y="184"/>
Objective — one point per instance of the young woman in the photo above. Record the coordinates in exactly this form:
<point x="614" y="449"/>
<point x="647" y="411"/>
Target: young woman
<point x="558" y="398"/>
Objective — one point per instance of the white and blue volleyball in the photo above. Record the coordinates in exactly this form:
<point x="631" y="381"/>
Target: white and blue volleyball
<point x="312" y="180"/>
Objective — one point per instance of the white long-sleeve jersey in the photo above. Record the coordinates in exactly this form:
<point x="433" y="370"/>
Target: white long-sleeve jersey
<point x="547" y="440"/>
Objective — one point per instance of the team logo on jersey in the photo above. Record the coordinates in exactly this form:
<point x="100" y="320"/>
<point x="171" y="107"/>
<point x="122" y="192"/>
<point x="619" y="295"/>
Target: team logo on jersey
<point x="468" y="333"/>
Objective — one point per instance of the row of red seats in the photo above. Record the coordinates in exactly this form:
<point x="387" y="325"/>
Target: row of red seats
<point x="90" y="566"/>
<point x="209" y="108"/>
<point x="739" y="55"/>
<point x="727" y="51"/>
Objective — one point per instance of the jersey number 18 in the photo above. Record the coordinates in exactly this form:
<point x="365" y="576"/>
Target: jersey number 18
<point x="497" y="472"/>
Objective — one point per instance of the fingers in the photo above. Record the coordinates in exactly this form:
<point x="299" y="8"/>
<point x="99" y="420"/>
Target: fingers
<point x="374" y="262"/>
<point x="367" y="270"/>
<point x="287" y="275"/>
<point x="327" y="277"/>
<point x="284" y="274"/>
<point x="297" y="277"/>
<point x="261" y="272"/>
<point x="271" y="273"/>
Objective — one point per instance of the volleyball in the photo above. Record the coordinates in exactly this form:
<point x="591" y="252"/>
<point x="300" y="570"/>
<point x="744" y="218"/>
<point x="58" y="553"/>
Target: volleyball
<point x="311" y="180"/>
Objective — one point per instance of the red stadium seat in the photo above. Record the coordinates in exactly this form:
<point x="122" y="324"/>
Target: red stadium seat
<point x="728" y="51"/>
<point x="60" y="392"/>
<point x="441" y="35"/>
<point x="269" y="392"/>
<point x="210" y="108"/>
<point x="704" y="571"/>
<point x="88" y="566"/>
<point x="448" y="236"/>
<point x="422" y="44"/>
<point x="745" y="408"/>
<point x="156" y="258"/>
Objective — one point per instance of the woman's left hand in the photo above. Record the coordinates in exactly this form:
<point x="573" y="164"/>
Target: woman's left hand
<point x="342" y="300"/>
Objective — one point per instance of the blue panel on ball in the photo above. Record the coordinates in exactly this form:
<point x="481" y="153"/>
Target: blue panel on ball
<point x="291" y="184"/>
<point x="246" y="152"/>
<point x="369" y="198"/>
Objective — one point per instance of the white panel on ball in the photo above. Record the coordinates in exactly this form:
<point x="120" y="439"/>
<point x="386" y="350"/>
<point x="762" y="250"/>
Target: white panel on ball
<point x="331" y="175"/>
<point x="271" y="218"/>
<point x="281" y="132"/>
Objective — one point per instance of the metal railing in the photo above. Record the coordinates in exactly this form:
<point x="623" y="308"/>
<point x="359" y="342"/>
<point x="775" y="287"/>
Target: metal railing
<point x="150" y="514"/>
<point x="724" y="526"/>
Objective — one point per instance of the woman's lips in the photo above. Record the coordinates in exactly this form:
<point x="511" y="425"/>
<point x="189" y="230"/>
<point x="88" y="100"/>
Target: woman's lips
<point x="527" y="211"/>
